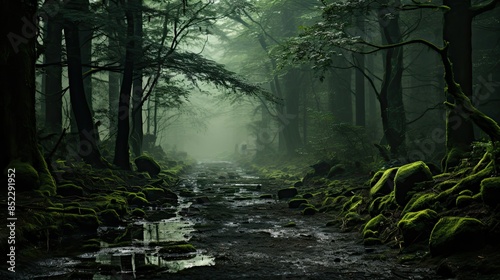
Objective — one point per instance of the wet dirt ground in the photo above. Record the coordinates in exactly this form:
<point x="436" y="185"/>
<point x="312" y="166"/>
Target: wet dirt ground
<point x="238" y="234"/>
<point x="248" y="238"/>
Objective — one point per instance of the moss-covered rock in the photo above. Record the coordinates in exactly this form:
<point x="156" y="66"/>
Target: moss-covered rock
<point x="456" y="234"/>
<point x="110" y="217"/>
<point x="82" y="223"/>
<point x="352" y="204"/>
<point x="463" y="201"/>
<point x="372" y="241"/>
<point x="376" y="177"/>
<point x="137" y="212"/>
<point x="333" y="203"/>
<point x="417" y="226"/>
<point x="139" y="201"/>
<point x="420" y="201"/>
<point x="25" y="176"/>
<point x="309" y="211"/>
<point x="147" y="164"/>
<point x="69" y="190"/>
<point x="466" y="192"/>
<point x="385" y="184"/>
<point x="375" y="224"/>
<point x="490" y="191"/>
<point x="296" y="202"/>
<point x="352" y="219"/>
<point x="287" y="193"/>
<point x="158" y="194"/>
<point x="370" y="234"/>
<point x="336" y="170"/>
<point x="381" y="204"/>
<point x="406" y="177"/>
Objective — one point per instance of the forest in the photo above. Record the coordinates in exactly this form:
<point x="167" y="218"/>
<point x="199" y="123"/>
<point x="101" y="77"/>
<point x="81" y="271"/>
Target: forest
<point x="250" y="139"/>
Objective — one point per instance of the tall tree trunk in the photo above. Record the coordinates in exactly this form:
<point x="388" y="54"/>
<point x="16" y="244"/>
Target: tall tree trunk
<point x="137" y="134"/>
<point x="122" y="157"/>
<point x="17" y="96"/>
<point x="87" y="149"/>
<point x="86" y="33"/>
<point x="458" y="32"/>
<point x="360" y="78"/>
<point x="391" y="92"/>
<point x="290" y="118"/>
<point x="53" y="76"/>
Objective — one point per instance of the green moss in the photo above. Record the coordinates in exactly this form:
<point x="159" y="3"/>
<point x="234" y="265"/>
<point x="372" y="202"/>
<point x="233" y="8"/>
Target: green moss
<point x="69" y="190"/>
<point x="139" y="201"/>
<point x="381" y="204"/>
<point x="309" y="211"/>
<point x="333" y="204"/>
<point x="146" y="163"/>
<point x="371" y="241"/>
<point x="420" y="202"/>
<point x="353" y="204"/>
<point x="110" y="217"/>
<point x="448" y="184"/>
<point x="490" y="191"/>
<point x="26" y="177"/>
<point x="153" y="194"/>
<point x="471" y="182"/>
<point x="352" y="218"/>
<point x="417" y="226"/>
<point x="296" y="202"/>
<point x="370" y="234"/>
<point x="137" y="212"/>
<point x="290" y="224"/>
<point x="376" y="177"/>
<point x="406" y="179"/>
<point x="452" y="159"/>
<point x="456" y="234"/>
<point x="463" y="201"/>
<point x="385" y="184"/>
<point x="376" y="223"/>
<point x="466" y="192"/>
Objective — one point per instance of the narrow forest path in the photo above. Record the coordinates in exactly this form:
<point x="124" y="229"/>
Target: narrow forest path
<point x="240" y="231"/>
<point x="246" y="234"/>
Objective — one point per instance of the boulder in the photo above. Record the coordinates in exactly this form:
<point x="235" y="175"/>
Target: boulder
<point x="463" y="201"/>
<point x="420" y="201"/>
<point x="147" y="164"/>
<point x="456" y="234"/>
<point x="417" y="226"/>
<point x="321" y="167"/>
<point x="381" y="204"/>
<point x="295" y="203"/>
<point x="385" y="184"/>
<point x="336" y="170"/>
<point x="407" y="177"/>
<point x="490" y="191"/>
<point x="287" y="193"/>
<point x="375" y="224"/>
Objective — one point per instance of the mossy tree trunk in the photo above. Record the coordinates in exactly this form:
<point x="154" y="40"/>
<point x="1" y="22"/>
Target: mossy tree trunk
<point x="122" y="157"/>
<point x="458" y="32"/>
<point x="17" y="88"/>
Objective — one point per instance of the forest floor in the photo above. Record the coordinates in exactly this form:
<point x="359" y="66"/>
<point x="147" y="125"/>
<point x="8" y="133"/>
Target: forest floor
<point x="228" y="223"/>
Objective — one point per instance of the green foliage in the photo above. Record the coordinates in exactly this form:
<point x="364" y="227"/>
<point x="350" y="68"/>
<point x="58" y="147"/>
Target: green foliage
<point x="456" y="234"/>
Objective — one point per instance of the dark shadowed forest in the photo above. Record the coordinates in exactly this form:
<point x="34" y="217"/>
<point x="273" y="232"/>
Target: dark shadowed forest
<point x="250" y="139"/>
